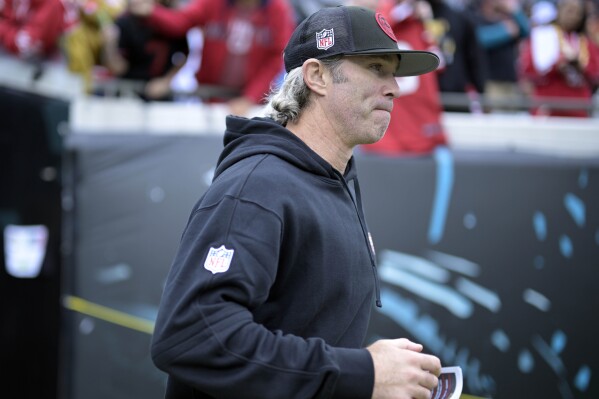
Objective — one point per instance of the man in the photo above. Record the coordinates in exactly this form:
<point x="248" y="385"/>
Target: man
<point x="243" y="40"/>
<point x="83" y="42"/>
<point x="133" y="50"/>
<point x="270" y="293"/>
<point x="501" y="25"/>
<point x="465" y="63"/>
<point x="561" y="62"/>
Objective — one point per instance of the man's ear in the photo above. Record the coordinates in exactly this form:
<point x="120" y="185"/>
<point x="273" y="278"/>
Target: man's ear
<point x="316" y="76"/>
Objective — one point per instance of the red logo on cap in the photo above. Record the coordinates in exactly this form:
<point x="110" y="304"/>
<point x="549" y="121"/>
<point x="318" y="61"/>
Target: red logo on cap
<point x="385" y="26"/>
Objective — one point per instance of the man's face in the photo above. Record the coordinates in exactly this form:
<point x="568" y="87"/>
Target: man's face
<point x="360" y="103"/>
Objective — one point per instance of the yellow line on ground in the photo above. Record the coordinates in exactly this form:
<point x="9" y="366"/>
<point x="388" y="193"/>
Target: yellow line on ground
<point x="110" y="315"/>
<point x="463" y="396"/>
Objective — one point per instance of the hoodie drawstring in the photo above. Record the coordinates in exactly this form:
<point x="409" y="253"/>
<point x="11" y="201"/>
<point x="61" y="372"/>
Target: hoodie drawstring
<point x="367" y="236"/>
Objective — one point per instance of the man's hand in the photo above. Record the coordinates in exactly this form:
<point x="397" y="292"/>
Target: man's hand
<point x="141" y="8"/>
<point x="401" y="371"/>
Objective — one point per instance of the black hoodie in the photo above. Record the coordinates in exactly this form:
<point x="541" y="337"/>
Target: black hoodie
<point x="270" y="293"/>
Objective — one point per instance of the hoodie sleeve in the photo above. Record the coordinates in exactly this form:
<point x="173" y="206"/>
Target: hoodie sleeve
<point x="205" y="335"/>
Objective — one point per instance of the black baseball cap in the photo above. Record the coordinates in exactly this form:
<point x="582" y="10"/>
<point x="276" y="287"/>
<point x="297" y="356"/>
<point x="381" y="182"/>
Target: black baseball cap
<point x="349" y="30"/>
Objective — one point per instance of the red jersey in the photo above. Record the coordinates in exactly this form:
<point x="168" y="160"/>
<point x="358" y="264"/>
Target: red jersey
<point x="31" y="27"/>
<point x="242" y="49"/>
<point x="415" y="125"/>
<point x="542" y="62"/>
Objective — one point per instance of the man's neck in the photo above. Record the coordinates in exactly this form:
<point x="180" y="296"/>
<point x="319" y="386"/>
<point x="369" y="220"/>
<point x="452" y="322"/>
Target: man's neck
<point x="321" y="136"/>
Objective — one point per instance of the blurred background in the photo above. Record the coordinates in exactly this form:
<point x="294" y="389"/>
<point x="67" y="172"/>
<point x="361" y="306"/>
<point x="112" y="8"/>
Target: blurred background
<point x="482" y="198"/>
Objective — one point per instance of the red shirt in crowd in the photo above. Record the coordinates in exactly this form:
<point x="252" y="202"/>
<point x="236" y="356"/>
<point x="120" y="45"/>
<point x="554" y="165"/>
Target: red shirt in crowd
<point x="31" y="27"/>
<point x="242" y="48"/>
<point x="543" y="63"/>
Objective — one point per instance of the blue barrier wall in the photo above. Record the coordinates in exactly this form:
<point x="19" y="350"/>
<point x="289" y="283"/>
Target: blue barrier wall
<point x="489" y="259"/>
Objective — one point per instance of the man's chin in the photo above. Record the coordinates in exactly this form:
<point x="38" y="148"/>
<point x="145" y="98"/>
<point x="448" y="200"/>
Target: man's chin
<point x="379" y="134"/>
<point x="373" y="139"/>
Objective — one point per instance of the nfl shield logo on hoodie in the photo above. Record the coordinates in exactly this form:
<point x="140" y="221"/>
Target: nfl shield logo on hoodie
<point x="219" y="259"/>
<point x="325" y="39"/>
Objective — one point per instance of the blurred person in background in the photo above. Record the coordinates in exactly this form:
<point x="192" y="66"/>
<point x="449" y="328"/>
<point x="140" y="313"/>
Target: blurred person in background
<point x="465" y="68"/>
<point x="560" y="61"/>
<point x="134" y="50"/>
<point x="540" y="13"/>
<point x="83" y="41"/>
<point x="305" y="8"/>
<point x="243" y="42"/>
<point x="370" y="4"/>
<point x="415" y="127"/>
<point x="592" y="24"/>
<point x="30" y="29"/>
<point x="501" y="26"/>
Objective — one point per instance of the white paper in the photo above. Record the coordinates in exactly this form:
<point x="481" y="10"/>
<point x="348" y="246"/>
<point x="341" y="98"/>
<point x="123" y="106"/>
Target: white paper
<point x="450" y="384"/>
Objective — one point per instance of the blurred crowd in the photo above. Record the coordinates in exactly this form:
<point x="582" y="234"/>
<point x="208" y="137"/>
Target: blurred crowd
<point x="497" y="55"/>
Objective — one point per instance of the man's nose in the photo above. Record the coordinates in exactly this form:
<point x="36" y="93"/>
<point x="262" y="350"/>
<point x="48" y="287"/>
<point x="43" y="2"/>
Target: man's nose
<point x="392" y="87"/>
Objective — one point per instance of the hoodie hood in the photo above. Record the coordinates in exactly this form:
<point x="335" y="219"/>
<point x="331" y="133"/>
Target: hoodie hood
<point x="247" y="137"/>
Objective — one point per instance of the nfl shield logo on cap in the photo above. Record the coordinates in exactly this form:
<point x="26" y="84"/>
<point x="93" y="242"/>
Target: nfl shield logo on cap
<point x="325" y="39"/>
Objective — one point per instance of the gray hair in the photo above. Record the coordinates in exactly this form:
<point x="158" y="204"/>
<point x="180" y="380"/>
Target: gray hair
<point x="286" y="103"/>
